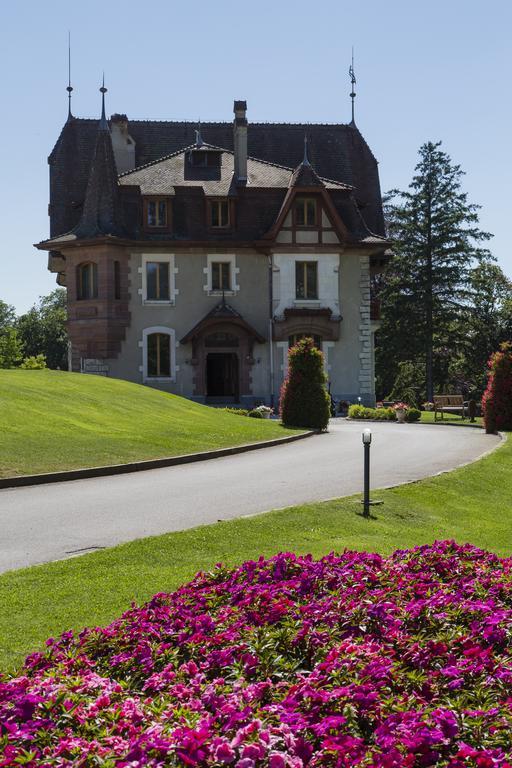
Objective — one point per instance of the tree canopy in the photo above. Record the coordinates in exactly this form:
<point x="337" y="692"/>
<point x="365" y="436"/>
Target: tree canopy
<point x="40" y="331"/>
<point x="441" y="273"/>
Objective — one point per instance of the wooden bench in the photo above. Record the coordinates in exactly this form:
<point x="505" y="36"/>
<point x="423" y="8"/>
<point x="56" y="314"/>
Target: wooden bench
<point x="449" y="404"/>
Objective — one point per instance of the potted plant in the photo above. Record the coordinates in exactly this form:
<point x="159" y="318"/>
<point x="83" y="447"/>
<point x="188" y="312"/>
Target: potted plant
<point x="265" y="411"/>
<point x="400" y="412"/>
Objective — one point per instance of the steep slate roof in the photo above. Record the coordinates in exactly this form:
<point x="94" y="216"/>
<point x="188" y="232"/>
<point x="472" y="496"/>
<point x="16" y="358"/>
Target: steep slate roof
<point x="102" y="213"/>
<point x="305" y="176"/>
<point x="162" y="176"/>
<point x="337" y="152"/>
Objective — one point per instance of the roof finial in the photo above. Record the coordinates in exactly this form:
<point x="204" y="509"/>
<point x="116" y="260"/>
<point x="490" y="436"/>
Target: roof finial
<point x="306" y="158"/>
<point x="103" y="120"/>
<point x="353" y="82"/>
<point x="69" y="89"/>
<point x="199" y="138"/>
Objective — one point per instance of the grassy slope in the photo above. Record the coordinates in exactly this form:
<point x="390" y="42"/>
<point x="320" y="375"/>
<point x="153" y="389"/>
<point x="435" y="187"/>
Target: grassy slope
<point x="52" y="420"/>
<point x="470" y="504"/>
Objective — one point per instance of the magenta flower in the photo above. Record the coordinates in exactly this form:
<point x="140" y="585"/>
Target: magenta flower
<point x="290" y="662"/>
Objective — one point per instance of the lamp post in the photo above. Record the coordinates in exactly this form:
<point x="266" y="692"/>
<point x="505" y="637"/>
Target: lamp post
<point x="367" y="439"/>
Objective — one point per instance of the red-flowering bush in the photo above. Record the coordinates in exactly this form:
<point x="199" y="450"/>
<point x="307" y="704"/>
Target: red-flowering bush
<point x="304" y="400"/>
<point x="351" y="660"/>
<point x="497" y="399"/>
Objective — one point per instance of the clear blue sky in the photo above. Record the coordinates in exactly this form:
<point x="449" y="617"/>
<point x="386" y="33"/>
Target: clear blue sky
<point x="426" y="71"/>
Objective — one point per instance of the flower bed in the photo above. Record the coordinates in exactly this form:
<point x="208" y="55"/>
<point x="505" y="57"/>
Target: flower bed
<point x="350" y="660"/>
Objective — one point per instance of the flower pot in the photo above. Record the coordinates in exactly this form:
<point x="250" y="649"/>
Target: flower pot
<point x="400" y="416"/>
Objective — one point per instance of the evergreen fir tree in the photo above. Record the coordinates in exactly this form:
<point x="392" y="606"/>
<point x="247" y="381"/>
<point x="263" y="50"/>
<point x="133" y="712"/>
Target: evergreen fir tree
<point x="426" y="291"/>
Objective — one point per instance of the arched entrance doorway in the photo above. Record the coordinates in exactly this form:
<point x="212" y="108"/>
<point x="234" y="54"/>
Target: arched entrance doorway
<point x="222" y="366"/>
<point x="222" y="344"/>
<point x="222" y="376"/>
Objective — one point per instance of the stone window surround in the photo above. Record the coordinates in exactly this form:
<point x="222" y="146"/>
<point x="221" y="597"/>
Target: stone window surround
<point x="173" y="271"/>
<point x="144" y="345"/>
<point x="328" y="290"/>
<point x="226" y="258"/>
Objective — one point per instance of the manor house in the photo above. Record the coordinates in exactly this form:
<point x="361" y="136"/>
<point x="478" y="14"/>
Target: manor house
<point x="194" y="256"/>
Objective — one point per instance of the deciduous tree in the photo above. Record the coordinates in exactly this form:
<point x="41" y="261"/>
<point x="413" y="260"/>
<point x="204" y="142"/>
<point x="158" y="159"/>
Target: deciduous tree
<point x="42" y="330"/>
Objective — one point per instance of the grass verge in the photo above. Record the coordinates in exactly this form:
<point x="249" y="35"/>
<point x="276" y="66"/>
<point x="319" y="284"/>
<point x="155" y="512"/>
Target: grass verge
<point x="52" y="420"/>
<point x="427" y="417"/>
<point x="469" y="504"/>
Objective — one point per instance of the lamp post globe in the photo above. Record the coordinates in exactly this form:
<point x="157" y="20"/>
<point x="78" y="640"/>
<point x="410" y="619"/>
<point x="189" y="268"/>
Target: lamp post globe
<point x="367" y="436"/>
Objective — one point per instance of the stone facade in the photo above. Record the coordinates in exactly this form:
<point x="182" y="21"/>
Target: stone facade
<point x="198" y="338"/>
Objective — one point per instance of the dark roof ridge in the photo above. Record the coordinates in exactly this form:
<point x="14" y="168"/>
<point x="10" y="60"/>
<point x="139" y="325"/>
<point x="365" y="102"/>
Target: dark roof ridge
<point x="348" y="126"/>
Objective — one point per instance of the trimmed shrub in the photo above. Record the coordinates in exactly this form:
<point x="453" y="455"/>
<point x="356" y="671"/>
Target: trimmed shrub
<point x="33" y="363"/>
<point x="373" y="414"/>
<point x="413" y="414"/>
<point x="497" y="399"/>
<point x="237" y="411"/>
<point x="304" y="398"/>
<point x="255" y="414"/>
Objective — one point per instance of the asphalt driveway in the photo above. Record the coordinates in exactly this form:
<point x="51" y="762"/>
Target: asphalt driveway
<point x="50" y="522"/>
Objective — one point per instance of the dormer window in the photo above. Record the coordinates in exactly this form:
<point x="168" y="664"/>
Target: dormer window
<point x="219" y="215"/>
<point x="204" y="158"/>
<point x="305" y="212"/>
<point x="156" y="213"/>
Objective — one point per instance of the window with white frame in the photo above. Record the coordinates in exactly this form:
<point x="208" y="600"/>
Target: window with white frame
<point x="158" y="279"/>
<point x="221" y="274"/>
<point x="159" y="354"/>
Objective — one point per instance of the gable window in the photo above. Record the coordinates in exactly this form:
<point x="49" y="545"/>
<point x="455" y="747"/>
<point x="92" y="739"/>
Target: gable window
<point x="221" y="276"/>
<point x="306" y="280"/>
<point x="219" y="214"/>
<point x="156" y="213"/>
<point x="158" y="356"/>
<point x="157" y="281"/>
<point x="87" y="281"/>
<point x="305" y="212"/>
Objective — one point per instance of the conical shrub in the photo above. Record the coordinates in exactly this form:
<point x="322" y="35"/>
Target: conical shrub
<point x="497" y="399"/>
<point x="304" y="400"/>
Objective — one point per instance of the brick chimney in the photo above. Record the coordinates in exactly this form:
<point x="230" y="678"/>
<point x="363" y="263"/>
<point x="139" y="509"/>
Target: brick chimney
<point x="122" y="143"/>
<point x="240" y="141"/>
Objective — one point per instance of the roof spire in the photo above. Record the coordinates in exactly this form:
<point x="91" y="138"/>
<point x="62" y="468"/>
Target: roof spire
<point x="103" y="121"/>
<point x="305" y="161"/>
<point x="353" y="82"/>
<point x="199" y="138"/>
<point x="69" y="89"/>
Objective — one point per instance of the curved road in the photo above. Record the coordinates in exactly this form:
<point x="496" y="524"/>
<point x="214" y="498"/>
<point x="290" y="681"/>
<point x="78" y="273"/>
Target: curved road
<point x="51" y="522"/>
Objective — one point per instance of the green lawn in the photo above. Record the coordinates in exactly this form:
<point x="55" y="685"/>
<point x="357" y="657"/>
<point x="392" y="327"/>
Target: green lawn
<point x="51" y="420"/>
<point x="470" y="504"/>
<point x="427" y="417"/>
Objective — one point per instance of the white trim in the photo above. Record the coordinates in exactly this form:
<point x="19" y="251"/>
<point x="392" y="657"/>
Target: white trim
<point x="282" y="346"/>
<point x="167" y="258"/>
<point x="226" y="258"/>
<point x="326" y="347"/>
<point x="285" y="284"/>
<point x="172" y="344"/>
